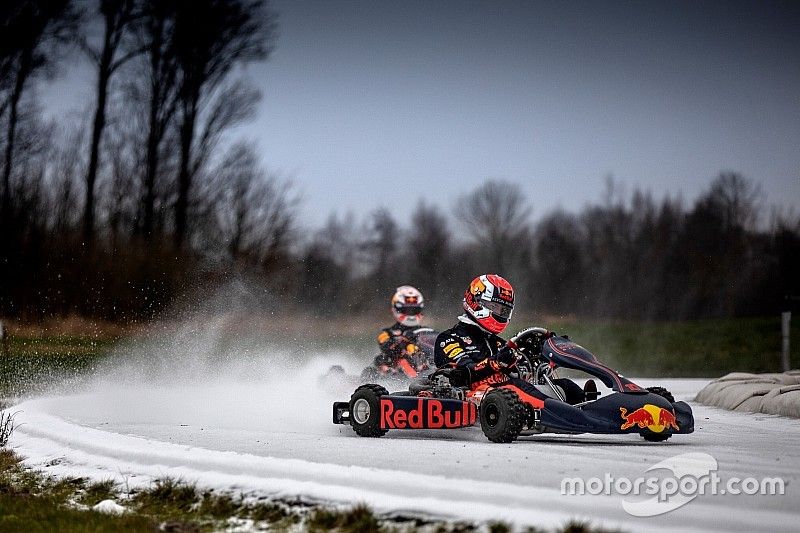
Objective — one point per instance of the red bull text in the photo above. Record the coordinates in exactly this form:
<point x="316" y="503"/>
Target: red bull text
<point x="426" y="413"/>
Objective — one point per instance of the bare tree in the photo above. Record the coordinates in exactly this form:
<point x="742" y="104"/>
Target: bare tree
<point x="32" y="31"/>
<point x="65" y="203"/>
<point x="338" y="242"/>
<point x="117" y="17"/>
<point x="558" y="281"/>
<point x="736" y="199"/>
<point x="329" y="265"/>
<point x="159" y="95"/>
<point x="255" y="212"/>
<point x="118" y="200"/>
<point x="718" y="245"/>
<point x="382" y="246"/>
<point x="496" y="217"/>
<point x="429" y="249"/>
<point x="211" y="38"/>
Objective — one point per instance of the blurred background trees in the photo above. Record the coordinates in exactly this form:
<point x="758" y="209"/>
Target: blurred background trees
<point x="148" y="196"/>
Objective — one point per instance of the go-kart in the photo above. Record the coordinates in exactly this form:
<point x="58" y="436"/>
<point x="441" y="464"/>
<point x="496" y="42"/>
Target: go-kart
<point x="505" y="411"/>
<point x="400" y="371"/>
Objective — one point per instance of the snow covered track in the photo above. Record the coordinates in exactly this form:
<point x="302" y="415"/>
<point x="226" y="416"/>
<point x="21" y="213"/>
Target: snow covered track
<point x="100" y="454"/>
<point x="248" y="438"/>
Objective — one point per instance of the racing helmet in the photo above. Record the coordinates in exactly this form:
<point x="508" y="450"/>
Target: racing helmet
<point x="489" y="301"/>
<point x="407" y="305"/>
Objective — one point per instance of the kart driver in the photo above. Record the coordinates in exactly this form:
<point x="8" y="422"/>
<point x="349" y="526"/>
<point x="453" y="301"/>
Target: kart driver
<point x="399" y="340"/>
<point x="473" y="355"/>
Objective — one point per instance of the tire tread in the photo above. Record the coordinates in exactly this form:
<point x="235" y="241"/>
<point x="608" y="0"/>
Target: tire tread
<point x="372" y="427"/>
<point x="516" y="416"/>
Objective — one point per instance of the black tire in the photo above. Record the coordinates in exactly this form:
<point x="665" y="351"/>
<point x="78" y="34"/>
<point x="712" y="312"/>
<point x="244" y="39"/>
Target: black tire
<point x="365" y="410"/>
<point x="502" y="415"/>
<point x="652" y="436"/>
<point x="664" y="393"/>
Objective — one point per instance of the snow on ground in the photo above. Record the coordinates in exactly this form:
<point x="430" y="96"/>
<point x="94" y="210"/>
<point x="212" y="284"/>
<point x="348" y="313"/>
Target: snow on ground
<point x="253" y="426"/>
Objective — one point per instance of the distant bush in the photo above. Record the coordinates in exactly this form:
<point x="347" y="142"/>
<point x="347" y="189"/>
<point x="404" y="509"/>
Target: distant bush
<point x="6" y="427"/>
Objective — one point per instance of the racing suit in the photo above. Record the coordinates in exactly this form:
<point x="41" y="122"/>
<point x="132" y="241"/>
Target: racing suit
<point x="474" y="352"/>
<point x="395" y="342"/>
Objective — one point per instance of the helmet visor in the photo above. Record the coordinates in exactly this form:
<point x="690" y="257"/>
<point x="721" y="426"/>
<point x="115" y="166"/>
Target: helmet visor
<point x="408" y="309"/>
<point x="500" y="310"/>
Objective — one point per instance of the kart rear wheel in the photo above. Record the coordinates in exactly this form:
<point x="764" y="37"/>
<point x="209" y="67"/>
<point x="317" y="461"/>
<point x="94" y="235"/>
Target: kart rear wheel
<point x="365" y="410"/>
<point x="502" y="415"/>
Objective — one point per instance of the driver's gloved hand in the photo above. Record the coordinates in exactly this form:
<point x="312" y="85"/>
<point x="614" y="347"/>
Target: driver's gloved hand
<point x="458" y="375"/>
<point x="529" y="340"/>
<point x="506" y="359"/>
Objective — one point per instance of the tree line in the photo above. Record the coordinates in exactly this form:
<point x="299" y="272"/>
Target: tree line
<point x="147" y="196"/>
<point x="117" y="201"/>
<point x="624" y="257"/>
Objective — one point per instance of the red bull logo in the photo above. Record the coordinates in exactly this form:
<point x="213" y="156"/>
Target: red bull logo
<point x="651" y="417"/>
<point x="667" y="419"/>
<point x="477" y="287"/>
<point x="426" y="413"/>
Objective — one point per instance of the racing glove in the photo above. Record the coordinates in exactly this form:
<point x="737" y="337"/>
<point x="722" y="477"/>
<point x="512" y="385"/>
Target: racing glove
<point x="506" y="359"/>
<point x="458" y="375"/>
<point x="529" y="341"/>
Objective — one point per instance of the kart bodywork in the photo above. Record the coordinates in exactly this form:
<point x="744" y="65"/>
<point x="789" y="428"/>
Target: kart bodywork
<point x="505" y="411"/>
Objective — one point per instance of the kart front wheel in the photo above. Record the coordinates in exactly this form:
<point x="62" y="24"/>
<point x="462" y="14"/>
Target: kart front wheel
<point x="502" y="415"/>
<point x="365" y="410"/>
<point x="652" y="436"/>
<point x="664" y="393"/>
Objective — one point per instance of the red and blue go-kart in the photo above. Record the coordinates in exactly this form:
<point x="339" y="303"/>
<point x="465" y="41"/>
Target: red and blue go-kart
<point x="505" y="411"/>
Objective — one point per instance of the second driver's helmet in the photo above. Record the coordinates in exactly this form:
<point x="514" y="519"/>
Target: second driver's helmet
<point x="407" y="305"/>
<point x="489" y="301"/>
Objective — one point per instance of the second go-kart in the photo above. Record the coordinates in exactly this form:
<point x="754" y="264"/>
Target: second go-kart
<point x="408" y="367"/>
<point x="505" y="411"/>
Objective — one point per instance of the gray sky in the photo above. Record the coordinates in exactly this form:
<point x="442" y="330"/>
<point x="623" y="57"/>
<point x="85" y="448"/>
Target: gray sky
<point x="380" y="103"/>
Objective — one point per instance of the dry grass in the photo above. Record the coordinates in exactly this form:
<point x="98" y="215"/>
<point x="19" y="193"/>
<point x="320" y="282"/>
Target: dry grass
<point x="72" y="325"/>
<point x="6" y="427"/>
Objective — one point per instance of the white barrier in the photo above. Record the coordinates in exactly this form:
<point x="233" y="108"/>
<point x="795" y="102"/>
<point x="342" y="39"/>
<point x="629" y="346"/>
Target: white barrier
<point x="786" y="323"/>
<point x="776" y="394"/>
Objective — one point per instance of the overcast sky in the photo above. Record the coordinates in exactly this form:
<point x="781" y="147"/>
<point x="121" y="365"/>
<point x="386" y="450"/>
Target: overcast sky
<point x="380" y="103"/>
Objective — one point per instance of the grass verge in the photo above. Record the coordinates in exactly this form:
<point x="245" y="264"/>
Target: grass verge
<point x="702" y="348"/>
<point x="38" y="358"/>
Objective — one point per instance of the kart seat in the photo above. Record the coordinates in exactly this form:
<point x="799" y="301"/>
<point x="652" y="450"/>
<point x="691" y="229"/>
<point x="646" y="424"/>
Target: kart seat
<point x="547" y="391"/>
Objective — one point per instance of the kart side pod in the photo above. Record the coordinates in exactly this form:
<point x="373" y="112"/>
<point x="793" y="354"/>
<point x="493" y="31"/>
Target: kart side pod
<point x="370" y="414"/>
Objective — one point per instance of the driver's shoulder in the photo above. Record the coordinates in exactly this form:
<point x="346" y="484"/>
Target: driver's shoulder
<point x="448" y="333"/>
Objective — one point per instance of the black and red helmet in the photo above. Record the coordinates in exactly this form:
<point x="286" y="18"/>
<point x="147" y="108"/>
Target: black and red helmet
<point x="489" y="301"/>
